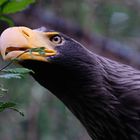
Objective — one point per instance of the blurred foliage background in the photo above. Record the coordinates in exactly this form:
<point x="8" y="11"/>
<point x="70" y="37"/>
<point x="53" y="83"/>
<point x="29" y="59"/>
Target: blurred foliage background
<point x="109" y="28"/>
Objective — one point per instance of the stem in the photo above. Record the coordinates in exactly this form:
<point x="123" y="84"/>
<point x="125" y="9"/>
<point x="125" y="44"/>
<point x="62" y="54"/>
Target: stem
<point x="13" y="60"/>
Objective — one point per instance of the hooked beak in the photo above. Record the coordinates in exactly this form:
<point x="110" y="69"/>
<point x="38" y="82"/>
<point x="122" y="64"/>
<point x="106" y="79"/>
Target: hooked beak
<point x="16" y="41"/>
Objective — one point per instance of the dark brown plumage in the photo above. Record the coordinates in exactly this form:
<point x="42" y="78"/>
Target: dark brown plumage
<point x="103" y="94"/>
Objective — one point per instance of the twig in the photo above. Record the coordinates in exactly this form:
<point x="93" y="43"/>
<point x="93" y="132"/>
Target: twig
<point x="13" y="60"/>
<point x="39" y="50"/>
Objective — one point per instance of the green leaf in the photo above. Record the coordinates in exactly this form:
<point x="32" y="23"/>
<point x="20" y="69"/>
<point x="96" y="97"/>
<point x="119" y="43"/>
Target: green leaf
<point x="18" y="71"/>
<point x="2" y="91"/>
<point x="40" y="50"/>
<point x="15" y="109"/>
<point x="16" y="6"/>
<point x="2" y="2"/>
<point x="5" y="105"/>
<point x="9" y="105"/>
<point x="12" y="75"/>
<point x="7" y="19"/>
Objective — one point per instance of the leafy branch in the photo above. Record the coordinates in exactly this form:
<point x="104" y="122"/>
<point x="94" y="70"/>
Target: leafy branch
<point x="17" y="73"/>
<point x="10" y="7"/>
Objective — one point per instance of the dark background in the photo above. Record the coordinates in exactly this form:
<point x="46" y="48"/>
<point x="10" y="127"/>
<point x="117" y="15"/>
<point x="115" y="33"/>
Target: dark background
<point x="109" y="28"/>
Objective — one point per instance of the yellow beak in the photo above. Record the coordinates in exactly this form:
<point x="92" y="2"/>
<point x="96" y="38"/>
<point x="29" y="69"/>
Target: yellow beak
<point x="16" y="41"/>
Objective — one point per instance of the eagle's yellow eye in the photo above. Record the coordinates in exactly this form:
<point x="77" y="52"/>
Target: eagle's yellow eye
<point x="57" y="39"/>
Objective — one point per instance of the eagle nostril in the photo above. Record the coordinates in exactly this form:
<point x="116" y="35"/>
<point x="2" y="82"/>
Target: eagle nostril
<point x="25" y="33"/>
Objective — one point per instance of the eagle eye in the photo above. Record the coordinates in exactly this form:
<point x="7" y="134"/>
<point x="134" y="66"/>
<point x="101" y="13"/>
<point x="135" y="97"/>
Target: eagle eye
<point x="57" y="39"/>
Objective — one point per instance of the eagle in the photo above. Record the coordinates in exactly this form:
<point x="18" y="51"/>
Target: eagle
<point x="103" y="94"/>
